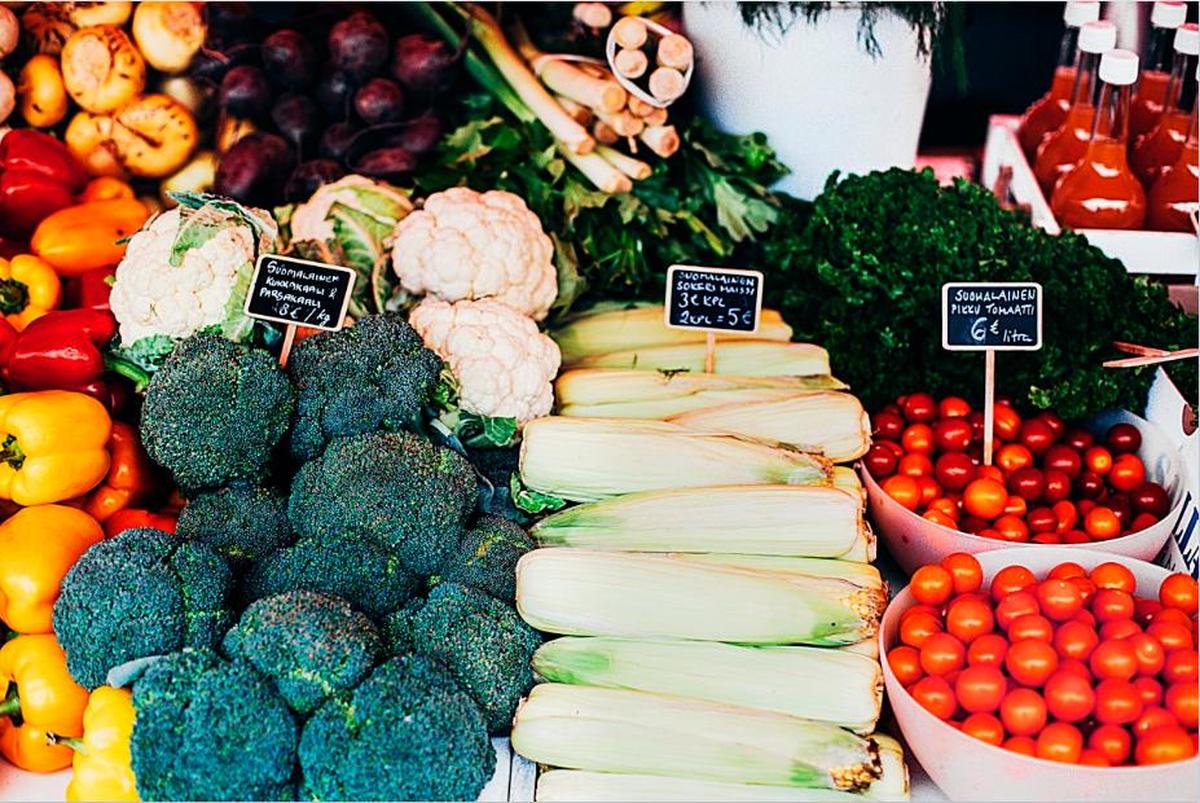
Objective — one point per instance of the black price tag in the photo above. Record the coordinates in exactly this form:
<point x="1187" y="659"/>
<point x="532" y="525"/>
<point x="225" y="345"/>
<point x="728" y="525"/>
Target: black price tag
<point x="299" y="292"/>
<point x="713" y="299"/>
<point x="1001" y="316"/>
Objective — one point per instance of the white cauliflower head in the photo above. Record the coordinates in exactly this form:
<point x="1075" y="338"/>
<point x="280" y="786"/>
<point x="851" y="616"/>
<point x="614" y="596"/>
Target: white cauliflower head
<point x="466" y="245"/>
<point x="504" y="366"/>
<point x="189" y="268"/>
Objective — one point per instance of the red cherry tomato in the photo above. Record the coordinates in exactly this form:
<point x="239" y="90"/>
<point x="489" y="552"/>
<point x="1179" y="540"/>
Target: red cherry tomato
<point x="987" y="650"/>
<point x="1012" y="457"/>
<point x="1078" y="438"/>
<point x="980" y="689"/>
<point x="1123" y="438"/>
<point x="1042" y="521"/>
<point x="1027" y="483"/>
<point x="1075" y="640"/>
<point x="985" y="727"/>
<point x="917" y="438"/>
<point x="1150" y="689"/>
<point x="1007" y="422"/>
<point x="1031" y="625"/>
<point x="1011" y="528"/>
<point x="1118" y="702"/>
<point x="1119" y="629"/>
<point x="1127" y="473"/>
<point x="1098" y="460"/>
<point x="966" y="571"/>
<point x="953" y="407"/>
<point x="904" y="490"/>
<point x="880" y="461"/>
<point x="1164" y="745"/>
<point x="1141" y="521"/>
<point x="932" y="585"/>
<point x="1152" y="717"/>
<point x="935" y="695"/>
<point x="1089" y="485"/>
<point x="951" y="435"/>
<point x="1101" y="524"/>
<point x="942" y="654"/>
<point x="915" y="465"/>
<point x="1023" y="712"/>
<point x="1060" y="742"/>
<point x="1172" y="635"/>
<point x="1115" y="659"/>
<point x="985" y="498"/>
<point x="915" y="630"/>
<point x="1067" y="571"/>
<point x="905" y="663"/>
<point x="1151" y="657"/>
<point x="919" y="407"/>
<point x="1031" y="662"/>
<point x="929" y="489"/>
<point x="1150" y="497"/>
<point x="1183" y="700"/>
<point x="1061" y="457"/>
<point x="1011" y="579"/>
<point x="1016" y="506"/>
<point x="1115" y="576"/>
<point x="1021" y="744"/>
<point x="1051" y="419"/>
<point x="969" y="618"/>
<point x="1036" y="435"/>
<point x="1111" y="604"/>
<point x="888" y="425"/>
<point x="944" y="505"/>
<point x="1015" y="605"/>
<point x="954" y="470"/>
<point x="1069" y="696"/>
<point x="1111" y="741"/>
<point x="1059" y="599"/>
<point x="1066" y="516"/>
<point x="1180" y="592"/>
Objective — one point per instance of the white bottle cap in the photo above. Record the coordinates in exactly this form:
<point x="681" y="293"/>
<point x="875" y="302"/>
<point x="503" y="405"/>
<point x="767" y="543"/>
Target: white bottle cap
<point x="1119" y="67"/>
<point x="1080" y="11"/>
<point x="1097" y="37"/>
<point x="1168" y="15"/>
<point x="1187" y="39"/>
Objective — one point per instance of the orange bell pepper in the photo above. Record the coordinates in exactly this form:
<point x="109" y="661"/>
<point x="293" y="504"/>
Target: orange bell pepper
<point x="37" y="691"/>
<point x="29" y="288"/>
<point x="106" y="188"/>
<point x="38" y="546"/>
<point x="88" y="236"/>
<point x="52" y="445"/>
<point x="132" y="477"/>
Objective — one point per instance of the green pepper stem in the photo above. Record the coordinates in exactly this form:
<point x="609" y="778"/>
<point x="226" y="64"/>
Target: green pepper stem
<point x="139" y="376"/>
<point x="73" y="742"/>
<point x="11" y="706"/>
<point x="11" y="452"/>
<point x="14" y="296"/>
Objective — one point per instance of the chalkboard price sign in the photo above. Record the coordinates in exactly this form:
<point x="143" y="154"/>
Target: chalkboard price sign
<point x="298" y="292"/>
<point x="1000" y="316"/>
<point x="713" y="299"/>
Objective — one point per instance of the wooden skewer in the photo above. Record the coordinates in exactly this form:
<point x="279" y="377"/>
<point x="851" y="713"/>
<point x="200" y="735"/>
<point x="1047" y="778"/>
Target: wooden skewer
<point x="674" y="51"/>
<point x="629" y="32"/>
<point x="666" y="84"/>
<point x="631" y="63"/>
<point x="593" y="15"/>
<point x="663" y="140"/>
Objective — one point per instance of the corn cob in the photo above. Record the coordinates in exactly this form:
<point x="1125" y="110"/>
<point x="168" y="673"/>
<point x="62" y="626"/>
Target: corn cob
<point x="787" y="520"/>
<point x="581" y="592"/>
<point x="810" y="682"/>
<point x="612" y="730"/>
<point x="743" y="357"/>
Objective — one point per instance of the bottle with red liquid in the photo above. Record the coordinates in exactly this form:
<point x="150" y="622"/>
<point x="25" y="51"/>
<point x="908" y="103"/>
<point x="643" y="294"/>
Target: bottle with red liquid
<point x="1161" y="146"/>
<point x="1102" y="192"/>
<point x="1048" y="112"/>
<point x="1174" y="199"/>
<point x="1151" y="92"/>
<point x="1063" y="147"/>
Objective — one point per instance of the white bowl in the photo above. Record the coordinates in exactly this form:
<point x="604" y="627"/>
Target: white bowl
<point x="915" y="541"/>
<point x="966" y="768"/>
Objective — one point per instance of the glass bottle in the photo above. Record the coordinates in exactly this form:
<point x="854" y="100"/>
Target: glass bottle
<point x="1174" y="202"/>
<point x="1102" y="192"/>
<point x="1048" y="112"/>
<point x="1062" y="148"/>
<point x="1159" y="148"/>
<point x="1151" y="90"/>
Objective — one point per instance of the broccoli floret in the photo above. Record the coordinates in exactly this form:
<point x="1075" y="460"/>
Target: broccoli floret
<point x="396" y="628"/>
<point x="481" y="640"/>
<point x="374" y="375"/>
<point x="409" y="732"/>
<point x="241" y="522"/>
<point x="310" y="645"/>
<point x="396" y="488"/>
<point x="215" y="412"/>
<point x="487" y="557"/>
<point x="354" y="569"/>
<point x="143" y="593"/>
<point x="208" y="729"/>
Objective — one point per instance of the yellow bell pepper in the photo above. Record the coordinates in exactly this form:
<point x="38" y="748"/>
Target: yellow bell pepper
<point x="52" y="446"/>
<point x="37" y="691"/>
<point x="91" y="235"/>
<point x="38" y="546"/>
<point x="102" y="762"/>
<point x="29" y="288"/>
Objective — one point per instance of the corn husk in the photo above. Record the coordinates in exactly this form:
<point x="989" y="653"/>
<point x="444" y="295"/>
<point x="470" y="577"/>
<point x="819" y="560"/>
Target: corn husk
<point x="610" y="730"/>
<point x="786" y="520"/>
<point x="863" y="575"/>
<point x="584" y="459"/>
<point x="740" y="357"/>
<point x="815" y="683"/>
<point x="581" y="592"/>
<point x="620" y="326"/>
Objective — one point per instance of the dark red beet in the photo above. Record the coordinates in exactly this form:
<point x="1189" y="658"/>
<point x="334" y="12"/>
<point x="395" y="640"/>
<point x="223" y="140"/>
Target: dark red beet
<point x="337" y="139"/>
<point x="384" y="163"/>
<point x="334" y="91"/>
<point x="296" y="118"/>
<point x="254" y="169"/>
<point x="380" y="100"/>
<point x="245" y="92"/>
<point x="358" y="45"/>
<point x="309" y="176"/>
<point x="419" y="135"/>
<point x="289" y="59"/>
<point x="423" y="64"/>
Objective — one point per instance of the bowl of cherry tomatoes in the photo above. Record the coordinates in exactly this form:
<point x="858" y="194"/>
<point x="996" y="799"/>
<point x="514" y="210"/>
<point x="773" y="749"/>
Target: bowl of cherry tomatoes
<point x="1116" y="485"/>
<point x="1045" y="673"/>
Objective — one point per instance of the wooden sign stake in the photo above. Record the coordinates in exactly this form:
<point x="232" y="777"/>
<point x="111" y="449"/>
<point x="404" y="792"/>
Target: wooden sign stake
<point x="710" y="352"/>
<point x="989" y="403"/>
<point x="289" y="337"/>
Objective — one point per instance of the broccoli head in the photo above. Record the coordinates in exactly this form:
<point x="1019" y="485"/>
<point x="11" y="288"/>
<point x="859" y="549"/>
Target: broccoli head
<point x="483" y="642"/>
<point x="241" y="522"/>
<point x="310" y="645"/>
<point x="208" y="729"/>
<point x="374" y="375"/>
<point x="487" y="557"/>
<point x="145" y="592"/>
<point x="358" y="571"/>
<point x="215" y="412"/>
<point x="410" y="496"/>
<point x="408" y="732"/>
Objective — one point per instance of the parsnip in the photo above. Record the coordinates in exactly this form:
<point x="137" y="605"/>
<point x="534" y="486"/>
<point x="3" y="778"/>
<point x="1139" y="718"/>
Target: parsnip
<point x="168" y="34"/>
<point x="101" y="68"/>
<point x="43" y="96"/>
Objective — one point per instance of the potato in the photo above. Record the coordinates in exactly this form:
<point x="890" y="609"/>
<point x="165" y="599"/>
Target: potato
<point x="168" y="34"/>
<point x="155" y="136"/>
<point x="43" y="96"/>
<point x="102" y="69"/>
<point x="8" y="96"/>
<point x="197" y="175"/>
<point x="47" y="27"/>
<point x="105" y="13"/>
<point x="89" y="138"/>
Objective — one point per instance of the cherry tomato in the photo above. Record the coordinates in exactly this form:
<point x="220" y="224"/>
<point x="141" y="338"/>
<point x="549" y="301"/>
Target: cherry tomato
<point x="880" y="461"/>
<point x="1183" y="700"/>
<point x="1046" y="538"/>
<point x="1115" y="659"/>
<point x="1111" y="741"/>
<point x="1067" y="571"/>
<point x="942" y="654"/>
<point x="1123" y="438"/>
<point x="935" y="696"/>
<point x="951" y="435"/>
<point x="918" y="608"/>
<point x="1042" y="521"/>
<point x="1023" y="712"/>
<point x="1164" y="745"/>
<point x="1059" y="599"/>
<point x="938" y="517"/>
<point x="1035" y="435"/>
<point x="1098" y="460"/>
<point x="1120" y="506"/>
<point x="1088" y="487"/>
<point x="932" y="585"/>
<point x="1013" y="457"/>
<point x="1006" y="421"/>
<point x="1172" y="635"/>
<point x="1119" y="629"/>
<point x="1060" y="742"/>
<point x="1051" y="419"/>
<point x="972" y="524"/>
<point x="1152" y="717"/>
<point x="1010" y="579"/>
<point x="1181" y="592"/>
<point x="969" y="618"/>
<point x="1151" y="657"/>
<point x="1015" y="506"/>
<point x="990" y="473"/>
<point x="1109" y="604"/>
<point x="1180" y="667"/>
<point x="954" y="470"/>
<point x="904" y="490"/>
<point x="916" y="629"/>
<point x="1115" y="576"/>
<point x="1015" y="605"/>
<point x="1021" y="744"/>
<point x="919" y="407"/>
<point x="1061" y="457"/>
<point x="1075" y="640"/>
<point x="985" y="498"/>
<point x="1150" y="497"/>
<point x="966" y="571"/>
<point x="1056" y="486"/>
<point x="915" y="465"/>
<point x="953" y="407"/>
<point x="1118" y="702"/>
<point x="1078" y="438"/>
<point x="987" y="650"/>
<point x="1027" y="483"/>
<point x="1066" y="516"/>
<point x="1069" y="697"/>
<point x="1030" y="662"/>
<point x="905" y="663"/>
<point x="1101" y="523"/>
<point x="1092" y="758"/>
<point x="980" y="689"/>
<point x="1031" y="625"/>
<point x="1086" y="587"/>
<point x="1174" y="615"/>
<point x="1150" y="690"/>
<point x="975" y="419"/>
<point x="888" y="425"/>
<point x="917" y="438"/>
<point x="1145" y="609"/>
<point x="1127" y="473"/>
<point x="1011" y="528"/>
<point x="984" y="727"/>
<point x="1141" y="521"/>
<point x="929" y="489"/>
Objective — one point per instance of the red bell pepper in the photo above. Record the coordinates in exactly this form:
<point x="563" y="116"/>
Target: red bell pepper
<point x="131" y="517"/>
<point x="38" y="176"/>
<point x="90" y="289"/>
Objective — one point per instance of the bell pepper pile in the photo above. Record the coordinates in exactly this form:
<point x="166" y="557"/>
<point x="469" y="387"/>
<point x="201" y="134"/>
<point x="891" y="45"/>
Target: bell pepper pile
<point x="38" y="176"/>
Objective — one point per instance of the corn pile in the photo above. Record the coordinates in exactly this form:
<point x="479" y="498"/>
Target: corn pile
<point x="713" y="591"/>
